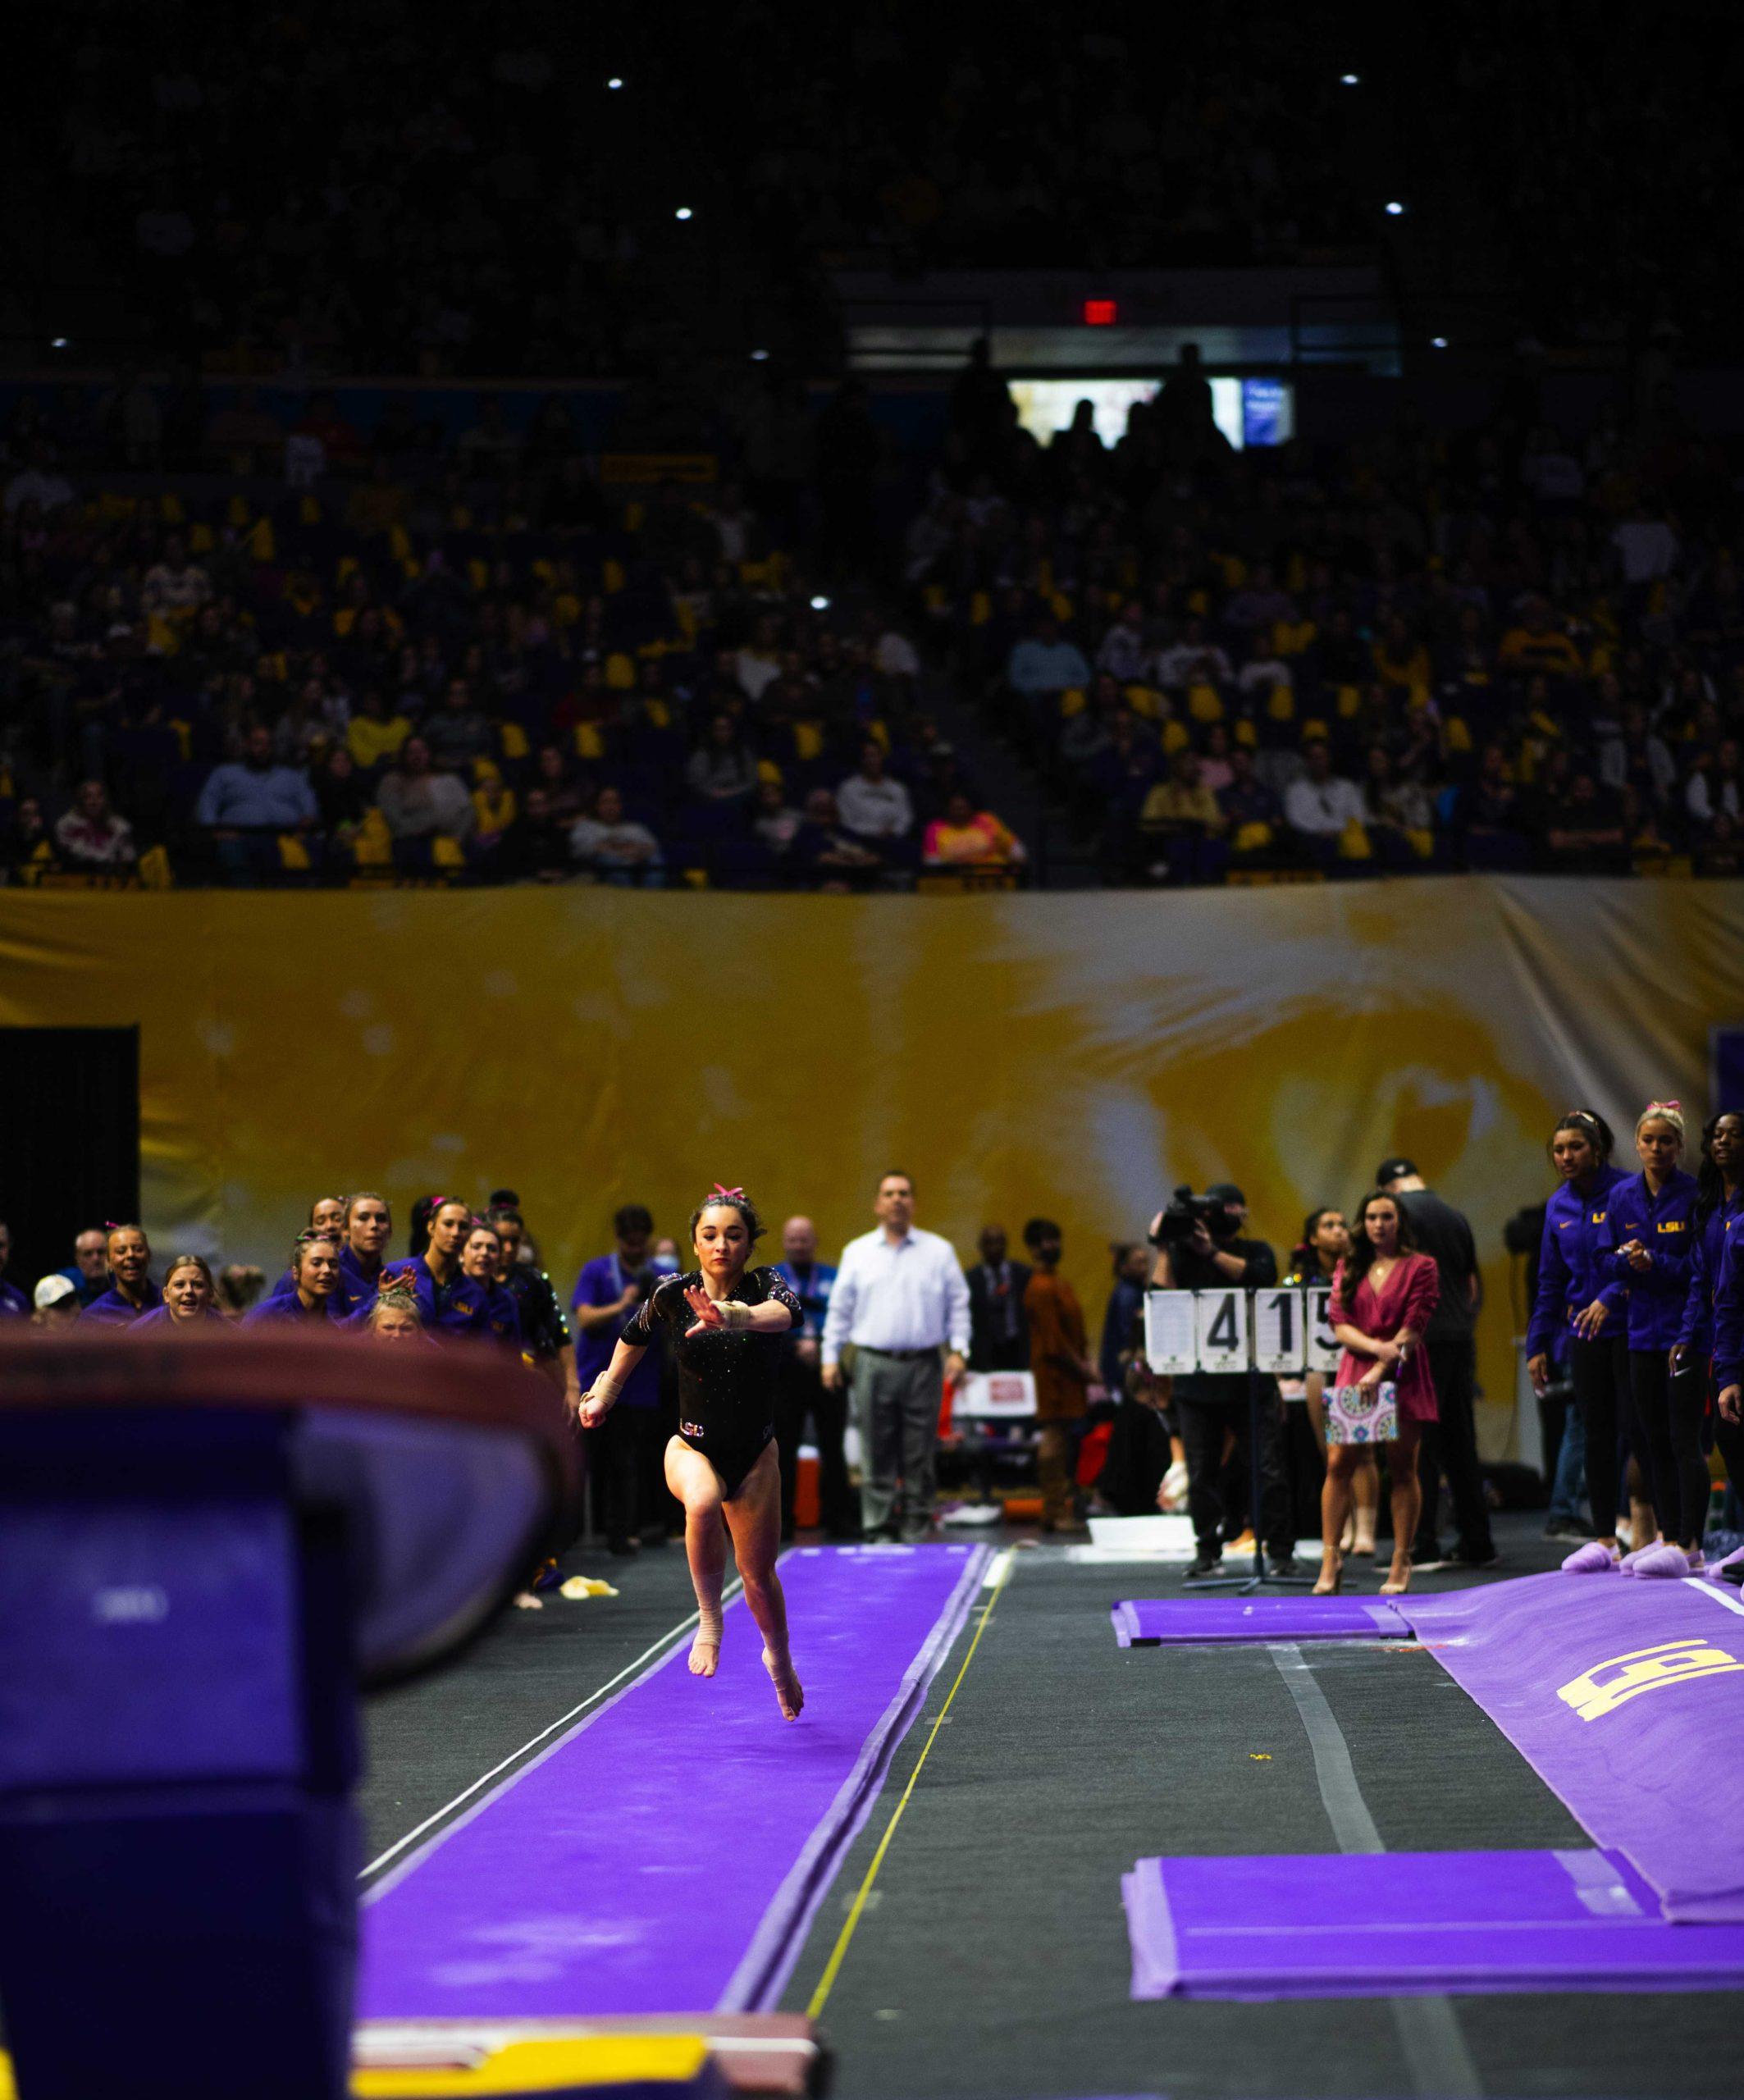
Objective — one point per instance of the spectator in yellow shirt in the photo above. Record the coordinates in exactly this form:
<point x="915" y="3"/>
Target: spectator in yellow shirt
<point x="1534" y="643"/>
<point x="374" y="734"/>
<point x="1180" y="815"/>
<point x="966" y="836"/>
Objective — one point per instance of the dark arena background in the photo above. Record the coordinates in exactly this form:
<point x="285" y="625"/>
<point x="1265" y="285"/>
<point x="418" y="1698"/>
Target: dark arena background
<point x="958" y="799"/>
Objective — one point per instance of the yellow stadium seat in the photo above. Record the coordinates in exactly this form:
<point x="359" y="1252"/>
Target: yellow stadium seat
<point x="478" y="574"/>
<point x="347" y="567"/>
<point x="170" y="510"/>
<point x="589" y="743"/>
<point x="1246" y="733"/>
<point x="1252" y="838"/>
<point x="1314" y="730"/>
<point x="372" y="844"/>
<point x="1353" y="843"/>
<point x="620" y="671"/>
<point x="611" y="575"/>
<point x="1457" y="733"/>
<point x="446" y="853"/>
<point x="1204" y="704"/>
<point x="1350" y="700"/>
<point x="1198" y="602"/>
<point x="293" y="854"/>
<point x="1280" y="704"/>
<point x="1071" y="702"/>
<point x="634" y="511"/>
<point x="1062" y="607"/>
<point x="658" y="713"/>
<point x="1422" y="844"/>
<point x="201" y="538"/>
<point x="161" y="634"/>
<point x="767" y="770"/>
<point x="263" y="543"/>
<point x="980" y="609"/>
<point x="512" y="738"/>
<point x="236" y="513"/>
<point x="934" y="598"/>
<point x="1175" y="737"/>
<point x="400" y="543"/>
<point x="566" y="608"/>
<point x="808" y="740"/>
<point x="155" y="872"/>
<point x="309" y="510"/>
<point x="543" y="571"/>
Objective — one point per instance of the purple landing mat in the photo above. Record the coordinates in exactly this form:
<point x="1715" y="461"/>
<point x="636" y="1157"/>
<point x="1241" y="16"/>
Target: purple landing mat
<point x="1150" y="1622"/>
<point x="668" y="1853"/>
<point x="1624" y="1696"/>
<point x="1388" y="1924"/>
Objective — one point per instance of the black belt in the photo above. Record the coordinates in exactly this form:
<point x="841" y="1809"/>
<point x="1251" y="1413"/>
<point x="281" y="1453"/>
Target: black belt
<point x="900" y="1355"/>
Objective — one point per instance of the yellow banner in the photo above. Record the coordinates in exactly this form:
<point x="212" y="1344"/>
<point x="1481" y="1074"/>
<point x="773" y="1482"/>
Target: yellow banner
<point x="1074" y="1055"/>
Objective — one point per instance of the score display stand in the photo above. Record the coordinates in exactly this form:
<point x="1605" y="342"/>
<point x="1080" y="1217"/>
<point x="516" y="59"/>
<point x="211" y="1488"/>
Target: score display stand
<point x="1282" y="1330"/>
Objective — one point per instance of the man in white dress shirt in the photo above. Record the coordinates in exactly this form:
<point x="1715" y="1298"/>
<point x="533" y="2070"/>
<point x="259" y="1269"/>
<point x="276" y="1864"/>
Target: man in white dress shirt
<point x="899" y="1298"/>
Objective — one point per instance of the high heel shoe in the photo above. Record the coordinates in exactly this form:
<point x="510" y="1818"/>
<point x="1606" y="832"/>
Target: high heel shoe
<point x="1396" y="1586"/>
<point x="1328" y="1586"/>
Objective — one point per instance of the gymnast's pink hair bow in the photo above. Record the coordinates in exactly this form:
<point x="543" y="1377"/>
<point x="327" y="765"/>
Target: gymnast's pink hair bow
<point x="1652" y="1105"/>
<point x="720" y="1191"/>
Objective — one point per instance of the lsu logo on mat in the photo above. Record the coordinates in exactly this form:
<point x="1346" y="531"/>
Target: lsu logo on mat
<point x="1607" y="1686"/>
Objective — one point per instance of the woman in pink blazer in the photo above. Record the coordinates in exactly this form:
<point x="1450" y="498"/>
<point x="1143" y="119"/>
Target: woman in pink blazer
<point x="1382" y="1296"/>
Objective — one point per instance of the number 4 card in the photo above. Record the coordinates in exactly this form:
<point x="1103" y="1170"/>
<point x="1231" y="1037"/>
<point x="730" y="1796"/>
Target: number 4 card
<point x="1223" y="1330"/>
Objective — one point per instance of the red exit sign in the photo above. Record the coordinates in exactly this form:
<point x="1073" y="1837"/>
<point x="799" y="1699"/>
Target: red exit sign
<point x="1100" y="313"/>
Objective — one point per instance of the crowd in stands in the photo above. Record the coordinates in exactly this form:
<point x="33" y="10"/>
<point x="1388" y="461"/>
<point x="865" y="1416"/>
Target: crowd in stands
<point x="1511" y="647"/>
<point x="504" y="210"/>
<point x="471" y="666"/>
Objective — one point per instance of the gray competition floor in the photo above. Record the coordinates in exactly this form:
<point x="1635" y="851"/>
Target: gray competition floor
<point x="990" y="1959"/>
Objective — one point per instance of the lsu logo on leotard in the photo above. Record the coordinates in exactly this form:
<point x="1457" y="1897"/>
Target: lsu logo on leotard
<point x="1607" y="1686"/>
<point x="1674" y="1225"/>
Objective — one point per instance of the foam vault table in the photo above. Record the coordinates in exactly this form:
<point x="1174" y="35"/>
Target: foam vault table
<point x="1618" y="1692"/>
<point x="666" y="1855"/>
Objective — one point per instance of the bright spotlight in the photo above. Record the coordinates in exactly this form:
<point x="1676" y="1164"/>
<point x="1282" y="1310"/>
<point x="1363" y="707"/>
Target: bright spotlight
<point x="760" y="357"/>
<point x="1349" y="79"/>
<point x="1394" y="209"/>
<point x="820" y="605"/>
<point x="683" y="211"/>
<point x="1438" y="342"/>
<point x="614" y="84"/>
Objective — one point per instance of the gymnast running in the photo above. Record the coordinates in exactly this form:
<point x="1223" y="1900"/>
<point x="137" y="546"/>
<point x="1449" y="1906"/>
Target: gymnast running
<point x="726" y="1320"/>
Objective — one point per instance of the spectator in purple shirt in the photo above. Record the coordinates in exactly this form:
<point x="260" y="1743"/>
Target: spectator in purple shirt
<point x="626" y="1449"/>
<point x="14" y="1305"/>
<point x="131" y="1292"/>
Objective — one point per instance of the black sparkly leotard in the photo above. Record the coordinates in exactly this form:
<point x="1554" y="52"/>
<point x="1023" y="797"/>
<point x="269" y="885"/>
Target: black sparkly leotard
<point x="726" y="1375"/>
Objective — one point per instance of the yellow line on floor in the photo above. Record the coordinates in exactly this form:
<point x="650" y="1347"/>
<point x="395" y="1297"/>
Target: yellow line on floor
<point x="838" y="1953"/>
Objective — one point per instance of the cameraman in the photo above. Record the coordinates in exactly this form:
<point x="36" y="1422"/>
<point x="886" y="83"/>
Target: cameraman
<point x="1203" y="1253"/>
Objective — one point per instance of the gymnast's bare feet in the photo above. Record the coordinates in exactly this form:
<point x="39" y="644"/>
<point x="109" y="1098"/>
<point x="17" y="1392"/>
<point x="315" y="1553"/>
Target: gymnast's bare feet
<point x="706" y="1648"/>
<point x="788" y="1688"/>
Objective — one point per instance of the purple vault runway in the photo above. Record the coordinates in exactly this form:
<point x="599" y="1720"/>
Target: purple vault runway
<point x="1391" y="1924"/>
<point x="668" y="1853"/>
